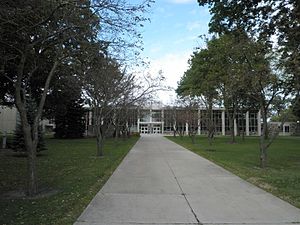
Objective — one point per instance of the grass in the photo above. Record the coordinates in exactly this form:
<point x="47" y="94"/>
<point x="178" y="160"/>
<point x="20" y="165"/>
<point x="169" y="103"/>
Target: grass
<point x="69" y="166"/>
<point x="282" y="177"/>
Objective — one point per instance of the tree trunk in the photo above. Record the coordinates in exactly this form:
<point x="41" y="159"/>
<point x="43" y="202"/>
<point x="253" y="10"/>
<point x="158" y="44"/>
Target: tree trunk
<point x="117" y="132"/>
<point x="192" y="136"/>
<point x="31" y="162"/>
<point x="210" y="124"/>
<point x="31" y="141"/>
<point x="30" y="132"/>
<point x="100" y="144"/>
<point x="263" y="153"/>
<point x="263" y="141"/>
<point x="100" y="140"/>
<point x="232" y="134"/>
<point x="210" y="138"/>
<point x="243" y="128"/>
<point x="20" y="101"/>
<point x="128" y="132"/>
<point x="193" y="139"/>
<point x="243" y="135"/>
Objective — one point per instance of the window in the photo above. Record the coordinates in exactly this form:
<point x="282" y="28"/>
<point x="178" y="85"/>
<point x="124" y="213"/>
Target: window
<point x="287" y="129"/>
<point x="253" y="122"/>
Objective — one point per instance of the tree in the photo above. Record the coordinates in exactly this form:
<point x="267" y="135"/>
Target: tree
<point x="275" y="23"/>
<point x="190" y="115"/>
<point x="296" y="108"/>
<point x="230" y="65"/>
<point x="50" y="34"/>
<point x="105" y="86"/>
<point x="35" y="38"/>
<point x="201" y="80"/>
<point x="65" y="102"/>
<point x="179" y="117"/>
<point x="69" y="120"/>
<point x="266" y="85"/>
<point x="109" y="90"/>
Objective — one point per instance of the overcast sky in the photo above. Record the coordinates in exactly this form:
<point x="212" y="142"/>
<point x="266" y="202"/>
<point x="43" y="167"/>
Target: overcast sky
<point x="172" y="36"/>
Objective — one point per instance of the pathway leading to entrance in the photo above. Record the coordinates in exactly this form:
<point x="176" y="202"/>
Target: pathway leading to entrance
<point x="160" y="182"/>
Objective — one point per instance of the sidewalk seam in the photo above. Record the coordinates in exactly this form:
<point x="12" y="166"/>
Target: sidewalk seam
<point x="182" y="192"/>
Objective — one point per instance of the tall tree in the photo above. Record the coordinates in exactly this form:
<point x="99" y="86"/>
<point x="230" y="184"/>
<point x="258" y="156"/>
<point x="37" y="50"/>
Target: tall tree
<point x="201" y="80"/>
<point x="36" y="37"/>
<point x="230" y="65"/>
<point x="265" y="86"/>
<point x="64" y="103"/>
<point x="230" y="62"/>
<point x="105" y="86"/>
<point x="276" y="23"/>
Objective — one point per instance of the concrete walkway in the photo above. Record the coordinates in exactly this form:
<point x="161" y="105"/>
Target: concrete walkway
<point x="160" y="182"/>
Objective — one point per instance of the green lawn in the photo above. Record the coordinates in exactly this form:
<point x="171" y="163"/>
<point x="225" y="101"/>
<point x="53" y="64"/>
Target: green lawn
<point x="282" y="177"/>
<point x="69" y="166"/>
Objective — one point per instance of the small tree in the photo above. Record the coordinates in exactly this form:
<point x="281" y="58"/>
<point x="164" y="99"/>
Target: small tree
<point x="105" y="85"/>
<point x="190" y="115"/>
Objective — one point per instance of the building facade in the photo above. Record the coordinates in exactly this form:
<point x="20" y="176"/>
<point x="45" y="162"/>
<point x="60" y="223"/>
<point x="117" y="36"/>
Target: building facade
<point x="163" y="120"/>
<point x="9" y="117"/>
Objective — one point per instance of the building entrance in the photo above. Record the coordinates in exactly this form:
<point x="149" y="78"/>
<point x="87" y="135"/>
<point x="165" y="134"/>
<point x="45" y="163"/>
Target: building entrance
<point x="144" y="129"/>
<point x="150" y="128"/>
<point x="156" y="130"/>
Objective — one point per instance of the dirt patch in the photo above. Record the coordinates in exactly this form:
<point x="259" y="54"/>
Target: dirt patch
<point x="258" y="182"/>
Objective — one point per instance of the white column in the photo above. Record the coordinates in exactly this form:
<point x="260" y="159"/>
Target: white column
<point x="247" y="124"/>
<point x="150" y="115"/>
<point x="138" y="125"/>
<point x="235" y="127"/>
<point x="186" y="128"/>
<point x="259" y="123"/>
<point x="199" y="122"/>
<point x="90" y="117"/>
<point x="223" y="123"/>
<point x="138" y="121"/>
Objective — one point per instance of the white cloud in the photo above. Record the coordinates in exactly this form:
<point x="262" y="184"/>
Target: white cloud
<point x="186" y="39"/>
<point x="155" y="49"/>
<point x="173" y="66"/>
<point x="196" y="25"/>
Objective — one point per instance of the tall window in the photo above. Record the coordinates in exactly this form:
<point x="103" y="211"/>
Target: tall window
<point x="253" y="123"/>
<point x="287" y="129"/>
<point x="217" y="117"/>
<point x="145" y="115"/>
<point x="156" y="115"/>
